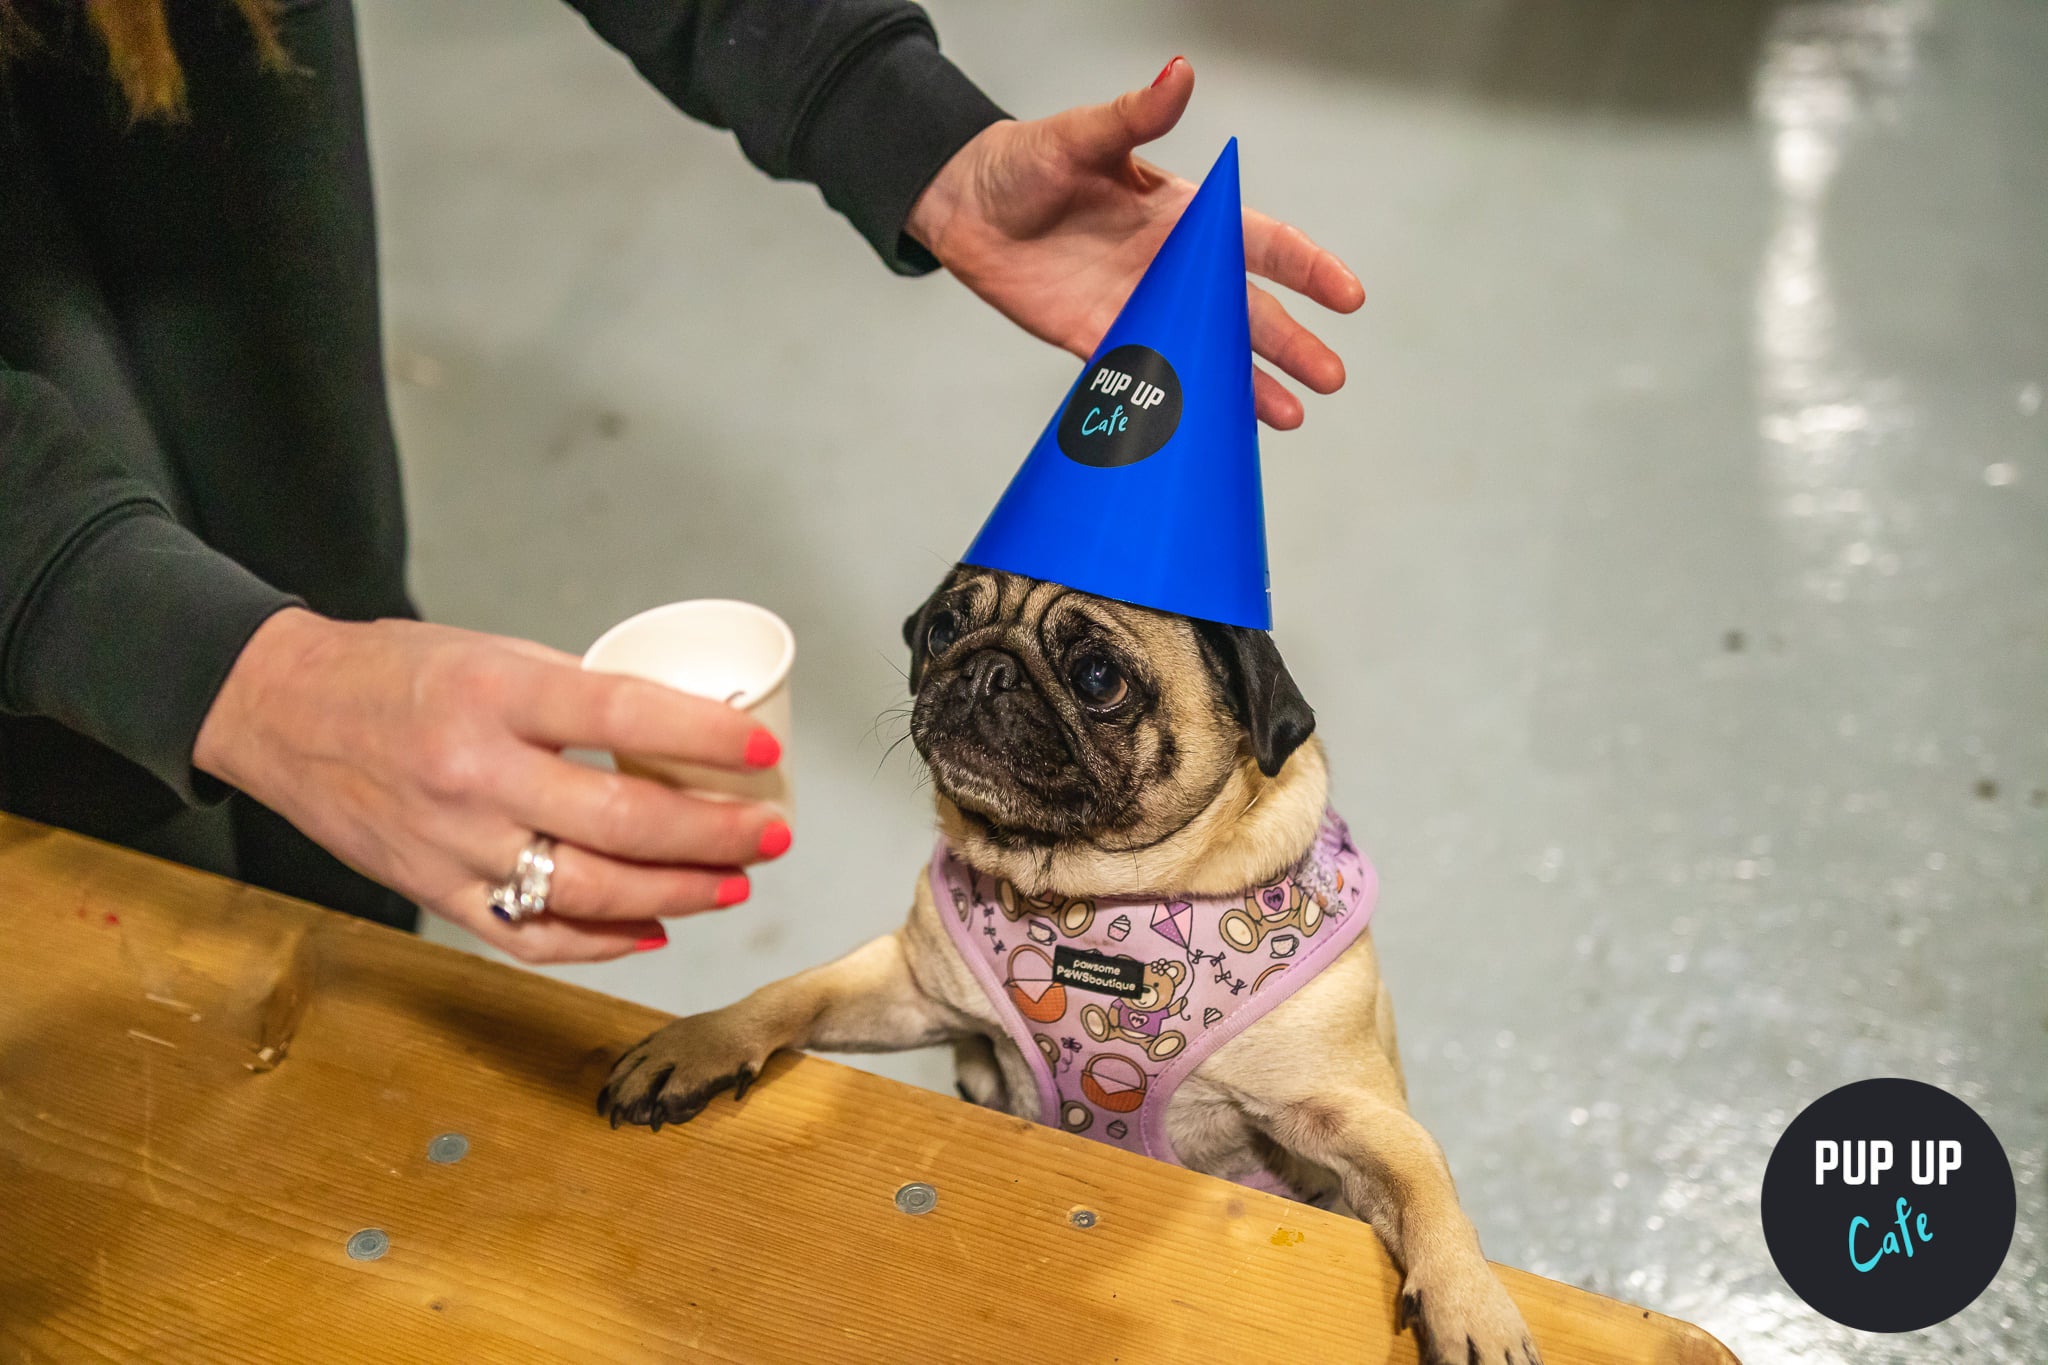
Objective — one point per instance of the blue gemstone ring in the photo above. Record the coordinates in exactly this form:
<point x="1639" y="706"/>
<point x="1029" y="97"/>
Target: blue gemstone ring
<point x="524" y="895"/>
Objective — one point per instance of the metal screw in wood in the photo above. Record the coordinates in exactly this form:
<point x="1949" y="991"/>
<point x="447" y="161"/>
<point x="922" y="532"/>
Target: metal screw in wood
<point x="917" y="1197"/>
<point x="368" y="1244"/>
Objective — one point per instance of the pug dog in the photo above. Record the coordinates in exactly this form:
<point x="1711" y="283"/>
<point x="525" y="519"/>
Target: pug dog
<point x="1081" y="747"/>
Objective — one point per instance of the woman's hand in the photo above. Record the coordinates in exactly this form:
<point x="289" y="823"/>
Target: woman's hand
<point x="1054" y="221"/>
<point x="426" y="757"/>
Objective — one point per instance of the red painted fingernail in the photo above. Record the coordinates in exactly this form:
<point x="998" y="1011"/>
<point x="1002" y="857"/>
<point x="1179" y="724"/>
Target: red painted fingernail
<point x="651" y="942"/>
<point x="775" y="840"/>
<point x="763" y="749"/>
<point x="1162" y="73"/>
<point x="733" y="890"/>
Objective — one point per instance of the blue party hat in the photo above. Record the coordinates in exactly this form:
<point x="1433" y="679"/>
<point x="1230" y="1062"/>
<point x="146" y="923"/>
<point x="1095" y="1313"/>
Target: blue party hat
<point x="1145" y="485"/>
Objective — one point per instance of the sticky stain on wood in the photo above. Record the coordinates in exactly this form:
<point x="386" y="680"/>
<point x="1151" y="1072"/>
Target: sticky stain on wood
<point x="1287" y="1237"/>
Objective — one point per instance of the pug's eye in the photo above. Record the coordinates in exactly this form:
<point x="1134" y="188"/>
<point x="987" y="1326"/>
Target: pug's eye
<point x="1097" y="681"/>
<point x="940" y="634"/>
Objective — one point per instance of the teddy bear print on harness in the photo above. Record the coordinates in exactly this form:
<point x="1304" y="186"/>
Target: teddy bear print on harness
<point x="1115" y="1002"/>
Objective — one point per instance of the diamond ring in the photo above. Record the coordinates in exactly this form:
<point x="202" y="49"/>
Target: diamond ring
<point x="524" y="894"/>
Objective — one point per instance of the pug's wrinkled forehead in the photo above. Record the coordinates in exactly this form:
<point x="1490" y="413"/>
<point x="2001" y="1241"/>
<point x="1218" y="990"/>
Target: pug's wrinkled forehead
<point x="1019" y="613"/>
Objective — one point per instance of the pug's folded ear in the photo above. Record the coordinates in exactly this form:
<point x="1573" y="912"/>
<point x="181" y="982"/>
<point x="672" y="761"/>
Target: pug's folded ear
<point x="1260" y="690"/>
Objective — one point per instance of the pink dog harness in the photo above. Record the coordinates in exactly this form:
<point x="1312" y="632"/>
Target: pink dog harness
<point x="1115" y="1002"/>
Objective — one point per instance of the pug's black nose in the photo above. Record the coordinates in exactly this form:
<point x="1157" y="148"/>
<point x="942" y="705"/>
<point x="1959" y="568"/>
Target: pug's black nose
<point x="991" y="671"/>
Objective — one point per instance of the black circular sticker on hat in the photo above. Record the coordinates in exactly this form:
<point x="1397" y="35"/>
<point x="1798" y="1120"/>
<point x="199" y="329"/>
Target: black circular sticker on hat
<point x="1888" y="1205"/>
<point x="1126" y="406"/>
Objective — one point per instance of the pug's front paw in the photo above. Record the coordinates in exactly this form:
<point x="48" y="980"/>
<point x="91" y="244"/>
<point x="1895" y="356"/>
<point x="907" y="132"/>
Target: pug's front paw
<point x="672" y="1073"/>
<point x="1465" y="1317"/>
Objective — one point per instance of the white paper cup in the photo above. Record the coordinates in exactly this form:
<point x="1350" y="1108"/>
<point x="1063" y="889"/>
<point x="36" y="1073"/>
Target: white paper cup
<point x="734" y="652"/>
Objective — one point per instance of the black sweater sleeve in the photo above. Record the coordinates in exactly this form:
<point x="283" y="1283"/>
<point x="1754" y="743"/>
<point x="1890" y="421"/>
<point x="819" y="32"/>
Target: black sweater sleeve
<point x="851" y="95"/>
<point x="114" y="619"/>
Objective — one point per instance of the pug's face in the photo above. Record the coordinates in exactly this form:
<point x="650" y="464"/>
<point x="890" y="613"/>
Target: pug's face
<point x="1052" y="717"/>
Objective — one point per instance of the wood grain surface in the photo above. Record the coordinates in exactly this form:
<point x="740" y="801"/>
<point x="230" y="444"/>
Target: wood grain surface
<point x="205" y="1090"/>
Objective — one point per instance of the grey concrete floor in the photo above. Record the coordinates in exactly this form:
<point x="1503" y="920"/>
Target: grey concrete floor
<point x="1668" y="579"/>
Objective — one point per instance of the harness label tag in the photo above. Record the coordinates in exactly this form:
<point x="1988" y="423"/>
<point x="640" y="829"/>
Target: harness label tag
<point x="1098" y="972"/>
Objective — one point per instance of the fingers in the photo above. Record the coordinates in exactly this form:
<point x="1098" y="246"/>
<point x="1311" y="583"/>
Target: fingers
<point x="553" y="939"/>
<point x="1285" y="255"/>
<point x="632" y="818"/>
<point x="1108" y="132"/>
<point x="1277" y="408"/>
<point x="566" y="708"/>
<point x="1298" y="352"/>
<point x="602" y="908"/>
<point x="591" y="886"/>
<point x="598" y="907"/>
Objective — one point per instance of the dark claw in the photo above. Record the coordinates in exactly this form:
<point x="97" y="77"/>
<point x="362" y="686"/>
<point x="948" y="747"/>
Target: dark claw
<point x="647" y="1109"/>
<point x="657" y="1107"/>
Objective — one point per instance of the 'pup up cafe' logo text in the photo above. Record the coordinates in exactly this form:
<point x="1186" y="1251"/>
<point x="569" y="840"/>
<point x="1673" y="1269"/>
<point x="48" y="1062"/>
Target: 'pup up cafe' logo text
<point x="1126" y="406"/>
<point x="1888" y="1205"/>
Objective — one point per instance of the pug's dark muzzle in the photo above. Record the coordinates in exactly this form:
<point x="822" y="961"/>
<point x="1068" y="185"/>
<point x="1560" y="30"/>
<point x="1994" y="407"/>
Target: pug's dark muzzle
<point x="997" y="748"/>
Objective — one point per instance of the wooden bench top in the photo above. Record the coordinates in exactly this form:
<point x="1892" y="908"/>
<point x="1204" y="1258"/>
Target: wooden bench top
<point x="206" y="1091"/>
